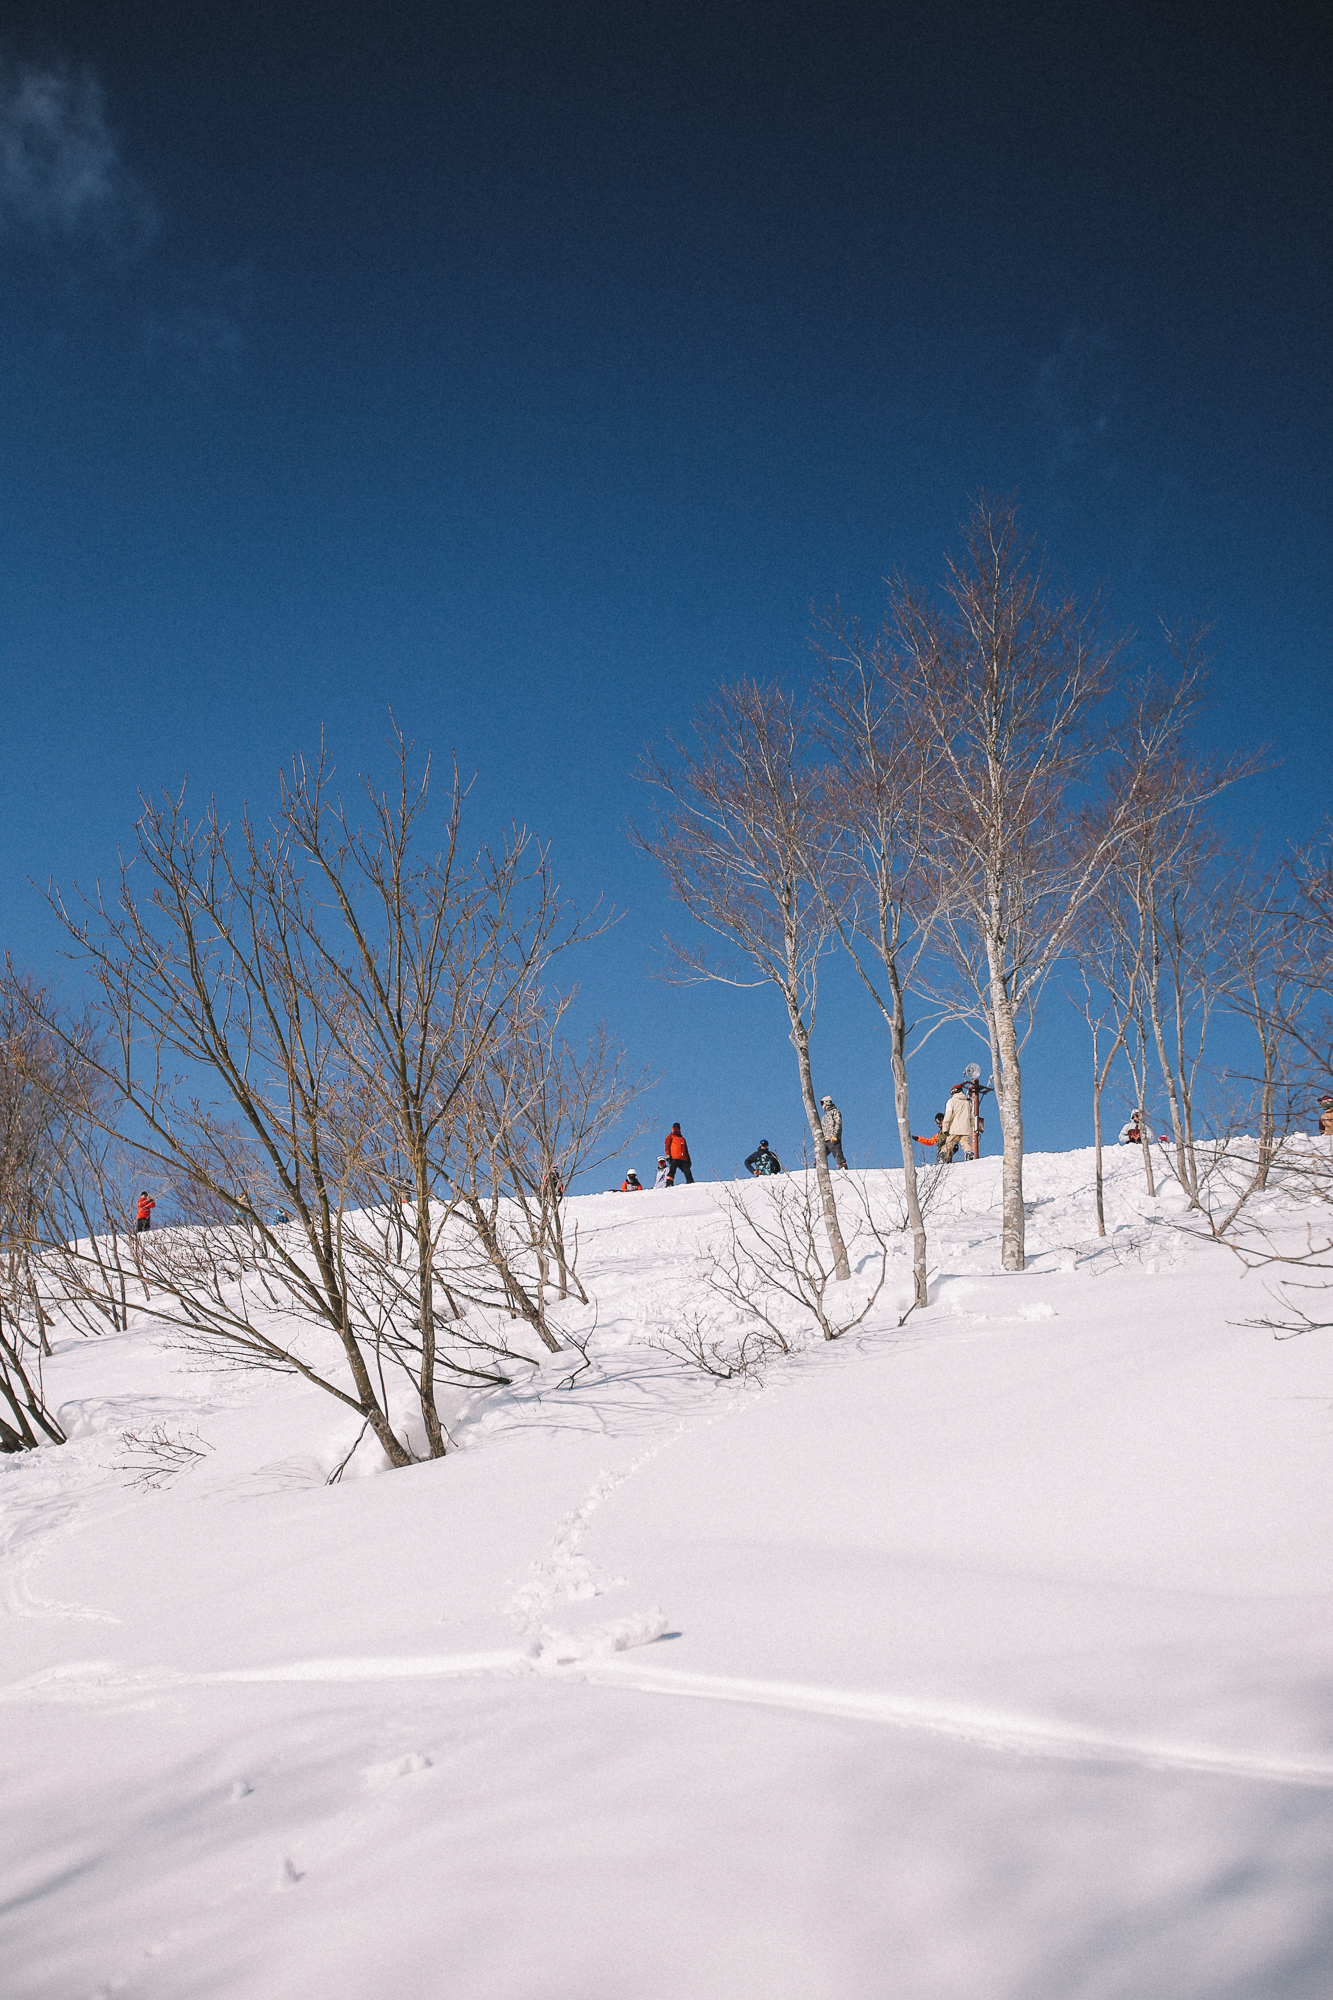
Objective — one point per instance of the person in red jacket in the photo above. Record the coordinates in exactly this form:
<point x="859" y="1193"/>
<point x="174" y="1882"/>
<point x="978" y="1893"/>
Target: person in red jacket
<point x="677" y="1155"/>
<point x="631" y="1183"/>
<point x="143" y="1215"/>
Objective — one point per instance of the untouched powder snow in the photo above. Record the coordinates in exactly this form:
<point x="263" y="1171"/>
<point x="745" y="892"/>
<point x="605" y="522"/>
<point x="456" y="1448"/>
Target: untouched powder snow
<point x="988" y="1658"/>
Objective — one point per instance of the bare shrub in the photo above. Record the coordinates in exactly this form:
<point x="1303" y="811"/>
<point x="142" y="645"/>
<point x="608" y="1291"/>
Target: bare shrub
<point x="774" y="1266"/>
<point x="156" y="1456"/>
<point x="734" y="1350"/>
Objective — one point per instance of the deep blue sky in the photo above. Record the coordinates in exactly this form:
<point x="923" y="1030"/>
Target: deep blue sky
<point x="531" y="367"/>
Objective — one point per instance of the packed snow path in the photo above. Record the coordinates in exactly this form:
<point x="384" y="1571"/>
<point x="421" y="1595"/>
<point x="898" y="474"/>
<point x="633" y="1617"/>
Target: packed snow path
<point x="987" y="1658"/>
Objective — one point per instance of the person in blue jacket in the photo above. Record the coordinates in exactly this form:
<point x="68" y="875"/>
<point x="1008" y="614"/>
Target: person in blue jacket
<point x="763" y="1160"/>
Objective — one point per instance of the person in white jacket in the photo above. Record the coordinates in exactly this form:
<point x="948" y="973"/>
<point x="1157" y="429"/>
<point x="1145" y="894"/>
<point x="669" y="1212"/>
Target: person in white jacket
<point x="960" y="1125"/>
<point x="830" y="1124"/>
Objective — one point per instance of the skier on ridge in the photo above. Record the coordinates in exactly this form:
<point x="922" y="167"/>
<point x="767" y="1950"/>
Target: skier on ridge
<point x="830" y="1125"/>
<point x="677" y="1152"/>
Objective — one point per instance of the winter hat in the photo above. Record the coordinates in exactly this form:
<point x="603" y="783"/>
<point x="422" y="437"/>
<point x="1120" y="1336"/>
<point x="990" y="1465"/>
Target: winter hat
<point x="661" y="1159"/>
<point x="826" y="1100"/>
<point x="763" y="1142"/>
<point x="676" y="1126"/>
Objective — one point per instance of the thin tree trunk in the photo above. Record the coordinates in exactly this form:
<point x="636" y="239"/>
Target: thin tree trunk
<point x="838" y="1249"/>
<point x="426" y="1291"/>
<point x="1009" y="1089"/>
<point x="521" y="1305"/>
<point x="1186" y="1090"/>
<point x="898" y="1058"/>
<point x="1097" y="1078"/>
<point x="1266" y="1120"/>
<point x="1168" y="1077"/>
<point x="41" y="1316"/>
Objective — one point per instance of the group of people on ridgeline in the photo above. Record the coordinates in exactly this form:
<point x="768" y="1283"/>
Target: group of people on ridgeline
<point x="674" y="1157"/>
<point x="959" y="1124"/>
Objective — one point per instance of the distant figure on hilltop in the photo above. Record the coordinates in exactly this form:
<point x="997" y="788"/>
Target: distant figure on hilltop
<point x="143" y="1215"/>
<point x="763" y="1160"/>
<point x="1132" y="1133"/>
<point x="663" y="1174"/>
<point x="1326" y="1115"/>
<point x="631" y="1183"/>
<point x="678" y="1156"/>
<point x="830" y="1125"/>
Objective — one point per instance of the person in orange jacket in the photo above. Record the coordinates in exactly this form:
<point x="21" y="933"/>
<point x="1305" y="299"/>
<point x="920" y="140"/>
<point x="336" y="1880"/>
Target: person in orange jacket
<point x="143" y="1214"/>
<point x="631" y="1183"/>
<point x="678" y="1156"/>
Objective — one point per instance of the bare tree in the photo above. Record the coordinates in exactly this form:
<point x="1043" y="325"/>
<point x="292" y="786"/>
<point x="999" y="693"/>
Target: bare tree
<point x="290" y="1019"/>
<point x="35" y="1072"/>
<point x="873" y="869"/>
<point x="1307" y="1007"/>
<point x="1121" y="1011"/>
<point x="1267" y="952"/>
<point x="1177" y="906"/>
<point x="565" y="1111"/>
<point x="738" y="820"/>
<point x="1012" y="682"/>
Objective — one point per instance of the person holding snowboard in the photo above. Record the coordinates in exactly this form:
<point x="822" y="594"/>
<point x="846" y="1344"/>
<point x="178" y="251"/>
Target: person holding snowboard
<point x="960" y="1124"/>
<point x="1132" y="1133"/>
<point x="678" y="1156"/>
<point x="830" y="1124"/>
<point x="143" y="1214"/>
<point x="763" y="1160"/>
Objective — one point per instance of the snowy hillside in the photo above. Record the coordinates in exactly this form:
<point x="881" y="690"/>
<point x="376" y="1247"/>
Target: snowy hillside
<point x="988" y="1658"/>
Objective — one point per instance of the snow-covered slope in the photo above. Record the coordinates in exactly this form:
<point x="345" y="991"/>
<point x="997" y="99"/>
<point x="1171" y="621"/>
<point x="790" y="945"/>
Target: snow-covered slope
<point x="991" y="1657"/>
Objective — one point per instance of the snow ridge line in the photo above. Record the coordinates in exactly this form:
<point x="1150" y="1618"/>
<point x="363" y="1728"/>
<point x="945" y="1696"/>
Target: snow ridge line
<point x="1023" y="1735"/>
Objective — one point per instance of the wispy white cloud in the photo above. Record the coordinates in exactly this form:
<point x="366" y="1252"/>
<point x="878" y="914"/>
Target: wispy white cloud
<point x="1079" y="394"/>
<point x="62" y="176"/>
<point x="206" y="329"/>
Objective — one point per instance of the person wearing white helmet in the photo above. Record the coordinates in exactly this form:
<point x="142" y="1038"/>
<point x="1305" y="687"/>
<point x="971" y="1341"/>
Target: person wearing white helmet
<point x="830" y="1124"/>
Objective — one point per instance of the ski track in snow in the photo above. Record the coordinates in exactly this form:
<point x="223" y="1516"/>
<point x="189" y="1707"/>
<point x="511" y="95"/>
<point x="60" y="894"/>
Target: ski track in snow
<point x="1026" y="1736"/>
<point x="591" y="1659"/>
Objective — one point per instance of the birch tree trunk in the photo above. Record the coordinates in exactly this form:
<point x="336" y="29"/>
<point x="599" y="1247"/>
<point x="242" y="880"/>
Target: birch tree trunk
<point x="1097" y="1134"/>
<point x="898" y="1059"/>
<point x="800" y="1036"/>
<point x="1009" y="1090"/>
